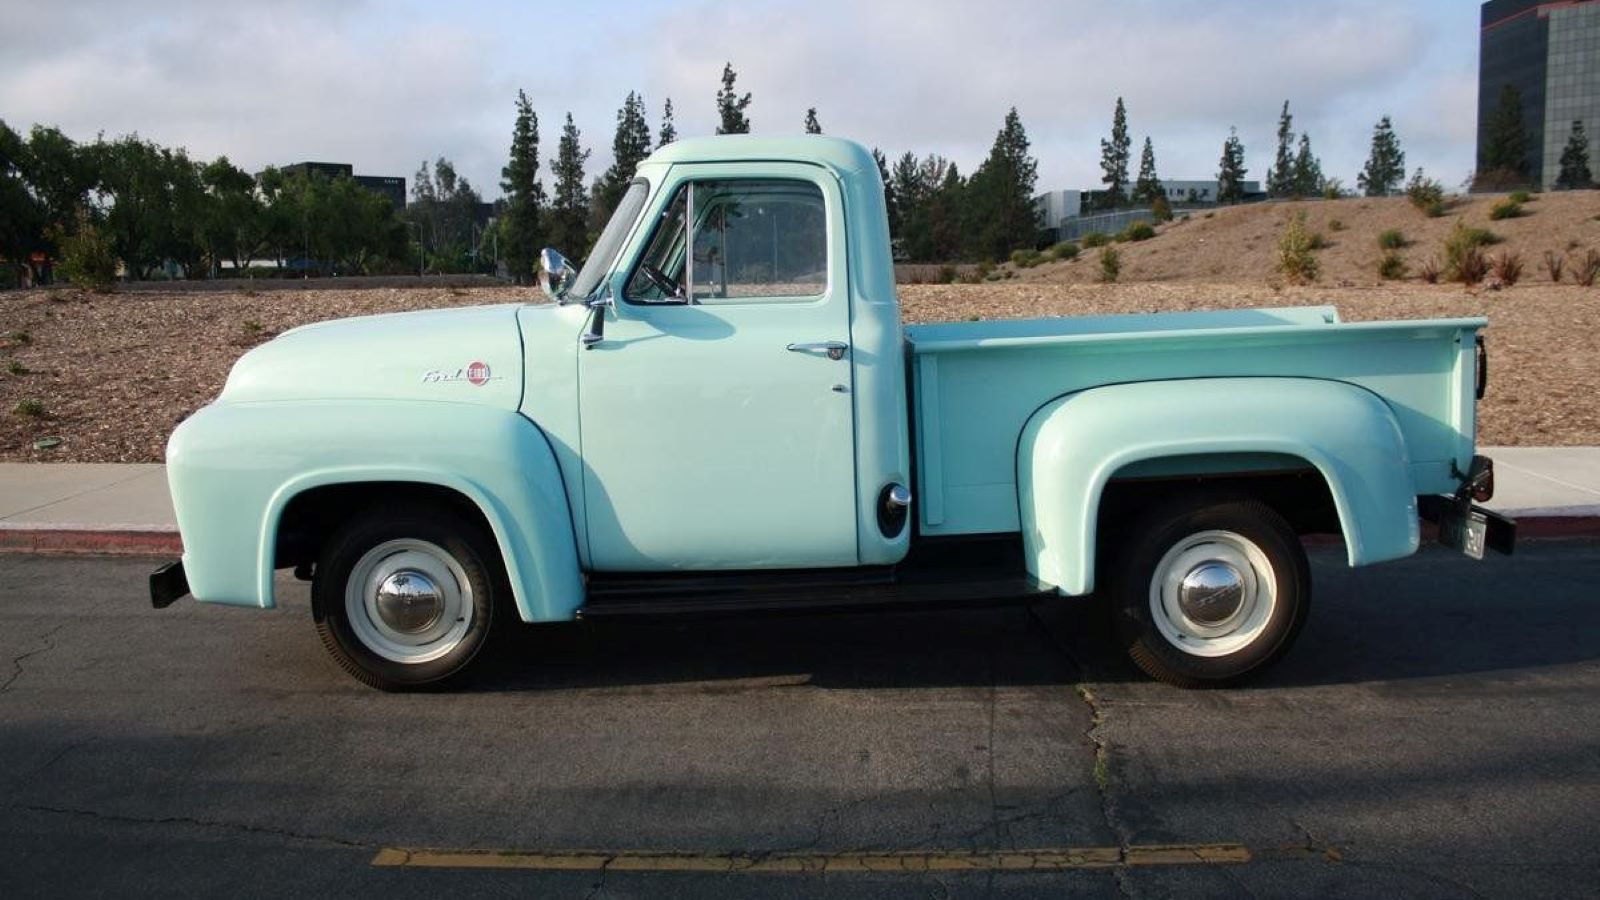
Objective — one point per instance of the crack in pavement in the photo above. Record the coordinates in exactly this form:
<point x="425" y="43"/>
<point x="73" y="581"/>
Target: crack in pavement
<point x="199" y="823"/>
<point x="16" y="661"/>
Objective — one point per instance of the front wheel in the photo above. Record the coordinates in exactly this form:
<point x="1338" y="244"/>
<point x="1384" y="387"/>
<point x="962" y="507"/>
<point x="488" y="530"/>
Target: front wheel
<point x="1210" y="590"/>
<point x="405" y="596"/>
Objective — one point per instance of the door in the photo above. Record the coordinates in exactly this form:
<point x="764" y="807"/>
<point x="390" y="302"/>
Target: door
<point x="709" y="442"/>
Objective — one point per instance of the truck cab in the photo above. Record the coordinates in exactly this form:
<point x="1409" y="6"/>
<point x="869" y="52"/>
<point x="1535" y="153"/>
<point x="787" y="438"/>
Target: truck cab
<point x="722" y="411"/>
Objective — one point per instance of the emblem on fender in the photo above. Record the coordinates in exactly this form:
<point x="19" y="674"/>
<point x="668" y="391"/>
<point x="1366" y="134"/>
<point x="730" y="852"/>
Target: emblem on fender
<point x="476" y="373"/>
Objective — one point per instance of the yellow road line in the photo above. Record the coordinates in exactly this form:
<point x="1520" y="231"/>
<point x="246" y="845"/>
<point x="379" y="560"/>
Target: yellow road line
<point x="1046" y="859"/>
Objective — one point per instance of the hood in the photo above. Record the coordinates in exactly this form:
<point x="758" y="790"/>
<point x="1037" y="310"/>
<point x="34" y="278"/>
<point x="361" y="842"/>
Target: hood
<point x="460" y="355"/>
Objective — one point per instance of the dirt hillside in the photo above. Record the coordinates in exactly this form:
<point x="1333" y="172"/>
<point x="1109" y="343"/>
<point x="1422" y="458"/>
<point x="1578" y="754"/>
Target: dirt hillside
<point x="1236" y="245"/>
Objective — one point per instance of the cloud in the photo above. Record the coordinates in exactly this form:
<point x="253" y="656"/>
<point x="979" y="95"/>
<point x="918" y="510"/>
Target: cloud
<point x="384" y="86"/>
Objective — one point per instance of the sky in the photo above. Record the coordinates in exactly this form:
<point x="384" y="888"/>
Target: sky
<point x="385" y="85"/>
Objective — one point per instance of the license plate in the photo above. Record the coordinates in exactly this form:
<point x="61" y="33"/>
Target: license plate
<point x="1467" y="533"/>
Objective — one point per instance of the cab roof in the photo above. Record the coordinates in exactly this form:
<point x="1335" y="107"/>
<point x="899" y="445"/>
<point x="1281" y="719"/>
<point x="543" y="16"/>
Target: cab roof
<point x="846" y="157"/>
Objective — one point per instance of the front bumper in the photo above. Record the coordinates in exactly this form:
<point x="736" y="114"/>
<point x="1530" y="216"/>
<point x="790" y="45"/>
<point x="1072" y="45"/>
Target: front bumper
<point x="168" y="584"/>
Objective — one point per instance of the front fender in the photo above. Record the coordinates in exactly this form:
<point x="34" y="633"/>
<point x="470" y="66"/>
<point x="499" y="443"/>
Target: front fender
<point x="1073" y="446"/>
<point x="234" y="467"/>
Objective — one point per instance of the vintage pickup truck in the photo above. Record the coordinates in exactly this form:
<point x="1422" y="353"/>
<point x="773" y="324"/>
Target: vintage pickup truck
<point x="722" y="411"/>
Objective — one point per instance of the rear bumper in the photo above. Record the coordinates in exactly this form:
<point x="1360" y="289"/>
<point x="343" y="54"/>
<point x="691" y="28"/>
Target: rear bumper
<point x="168" y="584"/>
<point x="1468" y="527"/>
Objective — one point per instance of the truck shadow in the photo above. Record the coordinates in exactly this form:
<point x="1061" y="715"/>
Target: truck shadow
<point x="1436" y="615"/>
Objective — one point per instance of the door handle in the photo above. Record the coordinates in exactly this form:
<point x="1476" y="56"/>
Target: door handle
<point x="834" y="349"/>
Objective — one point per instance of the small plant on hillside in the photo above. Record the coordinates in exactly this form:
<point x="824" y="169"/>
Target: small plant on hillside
<point x="1470" y="267"/>
<point x="947" y="274"/>
<point x="1505" y="209"/>
<point x="1507" y="267"/>
<point x="1137" y="231"/>
<point x="1065" y="250"/>
<point x="1587" y="269"/>
<point x="21" y="337"/>
<point x="1554" y="265"/>
<point x="1336" y="225"/>
<point x="1391" y="239"/>
<point x="1332" y="189"/>
<point x="1110" y="264"/>
<point x="1392" y="266"/>
<point x="1297" y="259"/>
<point x="1520" y="197"/>
<point x="16" y="367"/>
<point x="1318" y="242"/>
<point x="252" y="327"/>
<point x="1095" y="239"/>
<point x="1026" y="259"/>
<point x="1426" y="194"/>
<point x="29" y="409"/>
<point x="1430" y="271"/>
<point x="1462" y="243"/>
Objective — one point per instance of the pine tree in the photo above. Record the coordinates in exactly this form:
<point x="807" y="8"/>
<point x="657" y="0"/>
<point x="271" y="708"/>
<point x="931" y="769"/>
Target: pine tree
<point x="522" y="223"/>
<point x="1280" y="178"/>
<point x="812" y="125"/>
<point x="569" y="211"/>
<point x="1575" y="174"/>
<point x="1114" y="160"/>
<point x="891" y="203"/>
<point x="1504" y="153"/>
<point x="1386" y="166"/>
<point x="1148" y="186"/>
<point x="1308" y="181"/>
<point x="731" y="106"/>
<point x="1230" y="177"/>
<point x="629" y="146"/>
<point x="1001" y="193"/>
<point x="669" y="131"/>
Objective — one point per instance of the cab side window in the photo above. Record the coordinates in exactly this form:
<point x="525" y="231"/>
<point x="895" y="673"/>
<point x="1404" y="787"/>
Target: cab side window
<point x="753" y="240"/>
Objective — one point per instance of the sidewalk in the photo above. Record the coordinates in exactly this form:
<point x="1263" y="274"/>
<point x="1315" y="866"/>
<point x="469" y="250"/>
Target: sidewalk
<point x="112" y="508"/>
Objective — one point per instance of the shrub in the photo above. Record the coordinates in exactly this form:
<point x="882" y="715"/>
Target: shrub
<point x="1026" y="259"/>
<point x="1462" y="243"/>
<point x="29" y="409"/>
<point x="1297" y="259"/>
<point x="252" y="327"/>
<point x="947" y="274"/>
<point x="1505" y="209"/>
<point x="1425" y="194"/>
<point x="1332" y="189"/>
<point x="20" y="337"/>
<point x="1520" y="197"/>
<point x="1065" y="250"/>
<point x="1554" y="265"/>
<point x="1336" y="225"/>
<point x="86" y="256"/>
<point x="1392" y="266"/>
<point x="1318" y="242"/>
<point x="1430" y="271"/>
<point x="1507" y="267"/>
<point x="1110" y="264"/>
<point x="16" y="367"/>
<point x="1095" y="239"/>
<point x="1137" y="231"/>
<point x="1161" y="208"/>
<point x="1391" y="239"/>
<point x="1587" y="269"/>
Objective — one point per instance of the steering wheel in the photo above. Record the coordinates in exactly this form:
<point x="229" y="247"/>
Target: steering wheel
<point x="665" y="285"/>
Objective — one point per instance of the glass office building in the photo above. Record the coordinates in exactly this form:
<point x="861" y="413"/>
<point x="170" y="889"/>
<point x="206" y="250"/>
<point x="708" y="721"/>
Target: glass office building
<point x="1550" y="52"/>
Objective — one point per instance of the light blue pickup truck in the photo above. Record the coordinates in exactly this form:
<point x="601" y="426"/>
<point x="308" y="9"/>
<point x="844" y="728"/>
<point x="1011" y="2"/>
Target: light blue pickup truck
<point x="723" y="412"/>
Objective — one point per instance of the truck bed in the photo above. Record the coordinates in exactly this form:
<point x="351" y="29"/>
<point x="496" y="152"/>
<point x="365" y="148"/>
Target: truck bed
<point x="975" y="384"/>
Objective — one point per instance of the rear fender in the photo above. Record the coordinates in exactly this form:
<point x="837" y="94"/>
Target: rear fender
<point x="1073" y="446"/>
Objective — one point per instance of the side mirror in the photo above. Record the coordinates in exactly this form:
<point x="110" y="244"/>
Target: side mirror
<point x="555" y="274"/>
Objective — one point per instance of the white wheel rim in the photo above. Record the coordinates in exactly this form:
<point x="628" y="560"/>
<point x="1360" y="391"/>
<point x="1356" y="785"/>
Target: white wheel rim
<point x="430" y="572"/>
<point x="1218" y="554"/>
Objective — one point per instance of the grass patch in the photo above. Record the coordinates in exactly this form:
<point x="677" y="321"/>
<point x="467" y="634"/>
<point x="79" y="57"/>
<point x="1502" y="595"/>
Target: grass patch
<point x="1507" y="267"/>
<point x="1392" y="266"/>
<point x="1095" y="239"/>
<point x="29" y="408"/>
<point x="1392" y="239"/>
<point x="1110" y="265"/>
<point x="1064" y="250"/>
<point x="16" y="367"/>
<point x="1554" y="265"/>
<point x="1137" y="231"/>
<point x="1505" y="209"/>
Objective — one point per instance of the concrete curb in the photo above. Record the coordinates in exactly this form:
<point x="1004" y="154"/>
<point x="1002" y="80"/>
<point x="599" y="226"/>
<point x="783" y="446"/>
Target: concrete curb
<point x="137" y="540"/>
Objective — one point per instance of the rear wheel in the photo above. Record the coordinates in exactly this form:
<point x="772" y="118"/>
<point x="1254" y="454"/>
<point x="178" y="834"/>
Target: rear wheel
<point x="405" y="597"/>
<point x="1210" y="590"/>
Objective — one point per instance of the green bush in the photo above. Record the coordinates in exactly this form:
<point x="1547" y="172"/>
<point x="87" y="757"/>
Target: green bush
<point x="1336" y="225"/>
<point x="1318" y="242"/>
<point x="1426" y="194"/>
<point x="1392" y="266"/>
<point x="1505" y="209"/>
<point x="29" y="409"/>
<point x="1391" y="239"/>
<point x="1065" y="250"/>
<point x="1520" y="197"/>
<point x="1095" y="239"/>
<point x="1026" y="259"/>
<point x="1161" y="208"/>
<point x="1137" y="231"/>
<point x="1463" y="253"/>
<point x="947" y="274"/>
<point x="1297" y="260"/>
<point x="1110" y="264"/>
<point x="86" y="256"/>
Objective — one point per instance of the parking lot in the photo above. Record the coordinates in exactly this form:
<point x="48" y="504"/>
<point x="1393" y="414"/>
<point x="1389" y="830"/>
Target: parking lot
<point x="1436" y="732"/>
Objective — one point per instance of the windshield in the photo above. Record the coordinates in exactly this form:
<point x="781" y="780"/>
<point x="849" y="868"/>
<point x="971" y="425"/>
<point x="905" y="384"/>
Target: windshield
<point x="610" y="242"/>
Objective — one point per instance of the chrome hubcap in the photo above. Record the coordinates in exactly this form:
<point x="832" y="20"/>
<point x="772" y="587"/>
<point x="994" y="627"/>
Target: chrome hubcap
<point x="408" y="601"/>
<point x="1213" y="593"/>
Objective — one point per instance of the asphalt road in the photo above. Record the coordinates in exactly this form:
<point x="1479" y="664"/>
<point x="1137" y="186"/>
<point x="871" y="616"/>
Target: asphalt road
<point x="1436" y="733"/>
